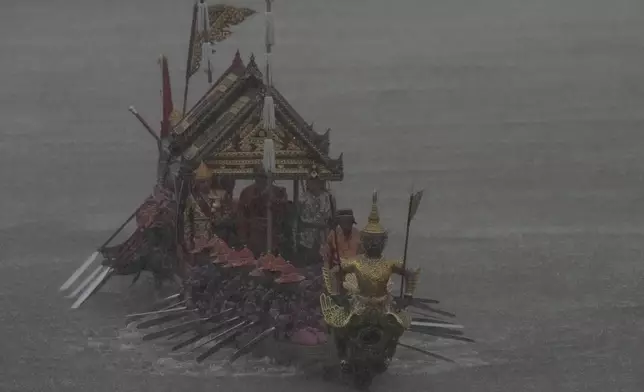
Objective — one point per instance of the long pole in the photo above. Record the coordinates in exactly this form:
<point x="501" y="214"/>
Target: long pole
<point x="404" y="261"/>
<point x="269" y="213"/>
<point x="269" y="122"/>
<point x="269" y="45"/>
<point x="100" y="248"/>
<point x="145" y="125"/>
<point x="334" y="226"/>
<point x="191" y="45"/>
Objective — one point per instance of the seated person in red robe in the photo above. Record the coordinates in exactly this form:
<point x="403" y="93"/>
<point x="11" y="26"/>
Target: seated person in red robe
<point x="252" y="220"/>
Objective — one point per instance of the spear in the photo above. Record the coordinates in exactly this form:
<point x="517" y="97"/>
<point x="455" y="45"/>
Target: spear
<point x="414" y="202"/>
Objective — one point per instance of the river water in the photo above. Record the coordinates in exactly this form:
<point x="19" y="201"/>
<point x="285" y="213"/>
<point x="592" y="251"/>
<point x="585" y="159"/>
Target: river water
<point x="522" y="120"/>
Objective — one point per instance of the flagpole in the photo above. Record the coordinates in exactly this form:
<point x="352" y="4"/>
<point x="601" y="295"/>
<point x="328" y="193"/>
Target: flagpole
<point x="193" y="28"/>
<point x="269" y="125"/>
<point x="404" y="261"/>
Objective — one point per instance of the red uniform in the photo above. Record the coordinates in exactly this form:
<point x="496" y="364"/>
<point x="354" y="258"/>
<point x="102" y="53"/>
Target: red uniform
<point x="252" y="222"/>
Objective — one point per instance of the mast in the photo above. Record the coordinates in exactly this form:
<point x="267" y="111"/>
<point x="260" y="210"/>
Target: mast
<point x="269" y="124"/>
<point x="269" y="106"/>
<point x="190" y="61"/>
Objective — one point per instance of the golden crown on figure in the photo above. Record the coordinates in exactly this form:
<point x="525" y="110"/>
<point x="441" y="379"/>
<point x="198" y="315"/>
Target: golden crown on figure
<point x="202" y="173"/>
<point x="373" y="222"/>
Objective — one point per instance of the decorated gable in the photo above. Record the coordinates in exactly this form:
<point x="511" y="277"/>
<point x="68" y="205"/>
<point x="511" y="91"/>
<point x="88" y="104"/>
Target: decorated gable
<point x="228" y="135"/>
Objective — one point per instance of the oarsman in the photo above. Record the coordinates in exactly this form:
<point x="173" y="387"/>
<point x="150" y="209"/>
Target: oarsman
<point x="346" y="235"/>
<point x="252" y="217"/>
<point x="315" y="211"/>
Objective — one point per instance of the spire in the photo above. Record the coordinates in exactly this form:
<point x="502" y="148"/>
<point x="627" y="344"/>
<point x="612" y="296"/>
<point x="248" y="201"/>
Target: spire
<point x="202" y="172"/>
<point x="373" y="222"/>
<point x="237" y="60"/>
<point x="251" y="61"/>
<point x="269" y="105"/>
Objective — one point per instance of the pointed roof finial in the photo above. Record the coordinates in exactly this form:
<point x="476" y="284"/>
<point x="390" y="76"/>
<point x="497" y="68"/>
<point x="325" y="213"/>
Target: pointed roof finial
<point x="202" y="172"/>
<point x="251" y="61"/>
<point x="237" y="60"/>
<point x="373" y="222"/>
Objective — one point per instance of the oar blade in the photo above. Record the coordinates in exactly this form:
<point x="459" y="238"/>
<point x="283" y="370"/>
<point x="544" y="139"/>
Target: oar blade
<point x="93" y="287"/>
<point x="74" y="277"/>
<point x="224" y="341"/>
<point x="426" y="300"/>
<point x="166" y="301"/>
<point x="442" y="333"/>
<point x="137" y="316"/>
<point x="200" y="335"/>
<point x="164" y="319"/>
<point x="420" y="350"/>
<point x="250" y="345"/>
<point x="219" y="335"/>
<point x="417" y="323"/>
<point x="186" y="326"/>
<point x="86" y="282"/>
<point x="424" y="306"/>
<point x="157" y="312"/>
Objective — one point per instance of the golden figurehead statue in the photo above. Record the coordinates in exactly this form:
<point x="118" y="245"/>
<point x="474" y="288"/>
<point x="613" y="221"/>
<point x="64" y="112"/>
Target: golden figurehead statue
<point x="365" y="279"/>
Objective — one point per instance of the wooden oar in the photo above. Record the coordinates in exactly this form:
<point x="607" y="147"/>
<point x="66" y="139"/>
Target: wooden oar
<point x="250" y="345"/>
<point x="86" y="282"/>
<point x="201" y="335"/>
<point x="164" y="319"/>
<point x="163" y="303"/>
<point x="428" y="308"/>
<point x="94" y="255"/>
<point x="99" y="281"/>
<point x="156" y="312"/>
<point x="439" y="325"/>
<point x="227" y="339"/>
<point x="236" y="326"/>
<point x="420" y="350"/>
<point x="188" y="325"/>
<point x="69" y="282"/>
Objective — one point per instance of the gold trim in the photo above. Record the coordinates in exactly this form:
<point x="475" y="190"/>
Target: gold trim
<point x="251" y="160"/>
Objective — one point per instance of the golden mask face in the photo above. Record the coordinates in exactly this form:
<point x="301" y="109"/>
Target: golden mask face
<point x="374" y="243"/>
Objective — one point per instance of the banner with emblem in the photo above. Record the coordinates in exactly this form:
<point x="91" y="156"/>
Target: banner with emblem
<point x="211" y="24"/>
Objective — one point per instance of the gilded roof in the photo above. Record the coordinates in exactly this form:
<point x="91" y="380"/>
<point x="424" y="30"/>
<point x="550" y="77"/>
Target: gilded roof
<point x="224" y="129"/>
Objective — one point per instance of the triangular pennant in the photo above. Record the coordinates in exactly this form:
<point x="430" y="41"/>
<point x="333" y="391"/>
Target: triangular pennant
<point x="414" y="202"/>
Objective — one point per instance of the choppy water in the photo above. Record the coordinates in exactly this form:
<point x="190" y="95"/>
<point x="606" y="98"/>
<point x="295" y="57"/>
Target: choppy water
<point x="523" y="119"/>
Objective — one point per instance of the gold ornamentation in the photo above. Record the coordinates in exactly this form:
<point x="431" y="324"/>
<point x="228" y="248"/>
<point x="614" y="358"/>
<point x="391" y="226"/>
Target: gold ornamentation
<point x="221" y="88"/>
<point x="367" y="282"/>
<point x="351" y="283"/>
<point x="326" y="275"/>
<point x="223" y="17"/>
<point x="203" y="172"/>
<point x="373" y="222"/>
<point x="333" y="314"/>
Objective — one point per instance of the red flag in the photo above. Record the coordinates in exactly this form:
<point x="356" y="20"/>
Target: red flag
<point x="166" y="96"/>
